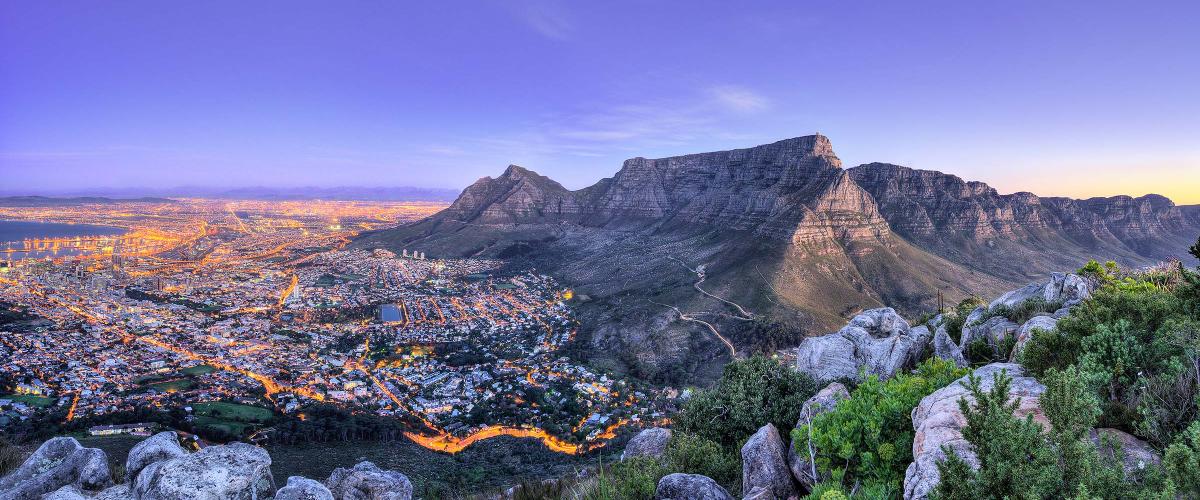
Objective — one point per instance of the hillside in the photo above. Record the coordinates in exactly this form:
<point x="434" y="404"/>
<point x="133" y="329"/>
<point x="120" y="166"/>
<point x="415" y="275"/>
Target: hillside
<point x="783" y="231"/>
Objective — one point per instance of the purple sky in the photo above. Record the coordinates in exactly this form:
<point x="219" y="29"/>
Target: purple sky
<point x="1059" y="98"/>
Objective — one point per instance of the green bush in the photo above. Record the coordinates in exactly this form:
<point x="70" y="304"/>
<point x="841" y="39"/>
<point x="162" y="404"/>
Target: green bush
<point x="692" y="454"/>
<point x="632" y="479"/>
<point x="1182" y="461"/>
<point x="958" y="317"/>
<point x="10" y="457"/>
<point x="749" y="394"/>
<point x="867" y="439"/>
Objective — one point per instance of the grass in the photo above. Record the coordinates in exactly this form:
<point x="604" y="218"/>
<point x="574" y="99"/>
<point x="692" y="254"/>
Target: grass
<point x="232" y="427"/>
<point x="31" y="400"/>
<point x="198" y="370"/>
<point x="177" y="385"/>
<point x="232" y="411"/>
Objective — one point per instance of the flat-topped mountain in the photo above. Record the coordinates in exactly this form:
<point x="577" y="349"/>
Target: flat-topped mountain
<point x="783" y="233"/>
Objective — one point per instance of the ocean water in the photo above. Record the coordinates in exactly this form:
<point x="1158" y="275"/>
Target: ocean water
<point x="14" y="233"/>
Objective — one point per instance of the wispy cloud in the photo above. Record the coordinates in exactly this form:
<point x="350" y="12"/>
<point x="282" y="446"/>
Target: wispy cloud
<point x="547" y="17"/>
<point x="739" y="99"/>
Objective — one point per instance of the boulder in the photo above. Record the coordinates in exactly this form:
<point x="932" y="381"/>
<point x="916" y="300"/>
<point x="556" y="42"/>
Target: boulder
<point x="945" y="348"/>
<point x="59" y="462"/>
<point x="994" y="330"/>
<point x="161" y="446"/>
<point x="366" y="481"/>
<point x="689" y="487"/>
<point x="764" y="468"/>
<point x="648" y="443"/>
<point x="66" y="493"/>
<point x="301" y="488"/>
<point x="877" y="340"/>
<point x="1067" y="289"/>
<point x="799" y="461"/>
<point x="1136" y="454"/>
<point x="235" y="471"/>
<point x="922" y="341"/>
<point x="938" y="424"/>
<point x="1044" y="323"/>
<point x="118" y="492"/>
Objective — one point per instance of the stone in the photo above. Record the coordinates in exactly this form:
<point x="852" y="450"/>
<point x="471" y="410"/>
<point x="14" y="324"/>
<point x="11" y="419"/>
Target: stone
<point x="939" y="423"/>
<point x="1137" y="455"/>
<point x="648" y="443"/>
<point x="1043" y="323"/>
<point x="878" y="341"/>
<point x="798" y="458"/>
<point x="59" y="462"/>
<point x="945" y="348"/>
<point x="993" y="330"/>
<point x="764" y="466"/>
<point x="366" y="481"/>
<point x="689" y="487"/>
<point x="159" y="447"/>
<point x="301" y="488"/>
<point x="66" y="493"/>
<point x="235" y="471"/>
<point x="118" y="492"/>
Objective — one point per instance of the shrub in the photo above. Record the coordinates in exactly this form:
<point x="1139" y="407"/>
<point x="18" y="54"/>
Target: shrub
<point x="691" y="454"/>
<point x="958" y="317"/>
<point x="10" y="457"/>
<point x="632" y="479"/>
<point x="749" y="394"/>
<point x="867" y="439"/>
<point x="1182" y="461"/>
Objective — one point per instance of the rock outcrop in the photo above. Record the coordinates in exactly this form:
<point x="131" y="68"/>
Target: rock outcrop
<point x="877" y="340"/>
<point x="798" y="457"/>
<point x="938" y="423"/>
<point x="236" y="471"/>
<point x="300" y="488"/>
<point x="945" y="348"/>
<point x="59" y="462"/>
<point x="648" y="443"/>
<point x="1042" y="323"/>
<point x="1136" y="454"/>
<point x="689" y="487"/>
<point x="765" y="472"/>
<point x="366" y="481"/>
<point x="160" y="447"/>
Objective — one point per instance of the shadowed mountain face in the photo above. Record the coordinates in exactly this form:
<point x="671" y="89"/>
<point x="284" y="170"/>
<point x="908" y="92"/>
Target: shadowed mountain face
<point x="783" y="231"/>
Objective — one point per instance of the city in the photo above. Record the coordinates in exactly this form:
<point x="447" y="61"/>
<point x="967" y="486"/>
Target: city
<point x="245" y="305"/>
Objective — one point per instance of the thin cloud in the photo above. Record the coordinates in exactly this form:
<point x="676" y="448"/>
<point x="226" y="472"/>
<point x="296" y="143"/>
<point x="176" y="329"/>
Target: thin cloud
<point x="739" y="99"/>
<point x="547" y="18"/>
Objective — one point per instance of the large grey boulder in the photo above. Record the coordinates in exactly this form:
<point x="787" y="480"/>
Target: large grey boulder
<point x="945" y="348"/>
<point x="1043" y="323"/>
<point x="938" y="423"/>
<point x="877" y="340"/>
<point x="366" y="481"/>
<point x="764" y="468"/>
<point x="799" y="458"/>
<point x="648" y="443"/>
<point x="66" y="493"/>
<point x="301" y="488"/>
<point x="1136" y="455"/>
<point x="118" y="492"/>
<point x="1065" y="289"/>
<point x="59" y="462"/>
<point x="993" y="330"/>
<point x="236" y="471"/>
<point x="689" y="487"/>
<point x="159" y="447"/>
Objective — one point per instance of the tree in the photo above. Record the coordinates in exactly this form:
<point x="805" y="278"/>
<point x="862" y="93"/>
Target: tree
<point x="749" y="394"/>
<point x="1195" y="249"/>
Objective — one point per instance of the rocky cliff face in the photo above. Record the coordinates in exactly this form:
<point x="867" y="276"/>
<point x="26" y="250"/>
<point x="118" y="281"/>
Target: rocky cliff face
<point x="783" y="230"/>
<point x="1011" y="235"/>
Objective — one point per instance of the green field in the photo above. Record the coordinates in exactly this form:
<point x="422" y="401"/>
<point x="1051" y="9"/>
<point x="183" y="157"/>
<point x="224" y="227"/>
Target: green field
<point x="176" y="385"/>
<point x="233" y="427"/>
<point x="31" y="400"/>
<point x="198" y="370"/>
<point x="233" y="411"/>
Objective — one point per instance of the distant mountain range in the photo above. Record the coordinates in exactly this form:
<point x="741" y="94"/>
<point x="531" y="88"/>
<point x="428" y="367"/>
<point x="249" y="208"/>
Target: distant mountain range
<point x="45" y="201"/>
<point x="784" y="231"/>
<point x="401" y="193"/>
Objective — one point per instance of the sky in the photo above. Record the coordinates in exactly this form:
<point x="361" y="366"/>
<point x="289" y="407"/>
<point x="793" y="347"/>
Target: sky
<point x="1063" y="98"/>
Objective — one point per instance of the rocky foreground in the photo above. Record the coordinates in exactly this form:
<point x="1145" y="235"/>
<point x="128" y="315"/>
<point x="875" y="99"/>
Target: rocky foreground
<point x="160" y="469"/>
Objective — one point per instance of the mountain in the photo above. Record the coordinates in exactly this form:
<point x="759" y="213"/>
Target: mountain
<point x="44" y="201"/>
<point x="779" y="237"/>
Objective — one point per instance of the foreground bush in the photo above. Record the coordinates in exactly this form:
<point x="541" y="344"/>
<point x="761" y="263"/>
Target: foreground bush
<point x="867" y="439"/>
<point x="749" y="394"/>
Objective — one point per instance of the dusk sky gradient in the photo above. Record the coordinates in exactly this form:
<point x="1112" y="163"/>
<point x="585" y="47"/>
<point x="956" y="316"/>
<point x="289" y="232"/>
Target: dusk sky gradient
<point x="1059" y="98"/>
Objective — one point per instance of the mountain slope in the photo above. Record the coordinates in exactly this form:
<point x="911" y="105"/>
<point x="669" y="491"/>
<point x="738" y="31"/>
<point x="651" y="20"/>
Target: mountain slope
<point x="780" y="229"/>
<point x="783" y="231"/>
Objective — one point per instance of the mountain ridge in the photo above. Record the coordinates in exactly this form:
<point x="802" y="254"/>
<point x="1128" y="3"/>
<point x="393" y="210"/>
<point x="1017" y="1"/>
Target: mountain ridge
<point x="783" y="230"/>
